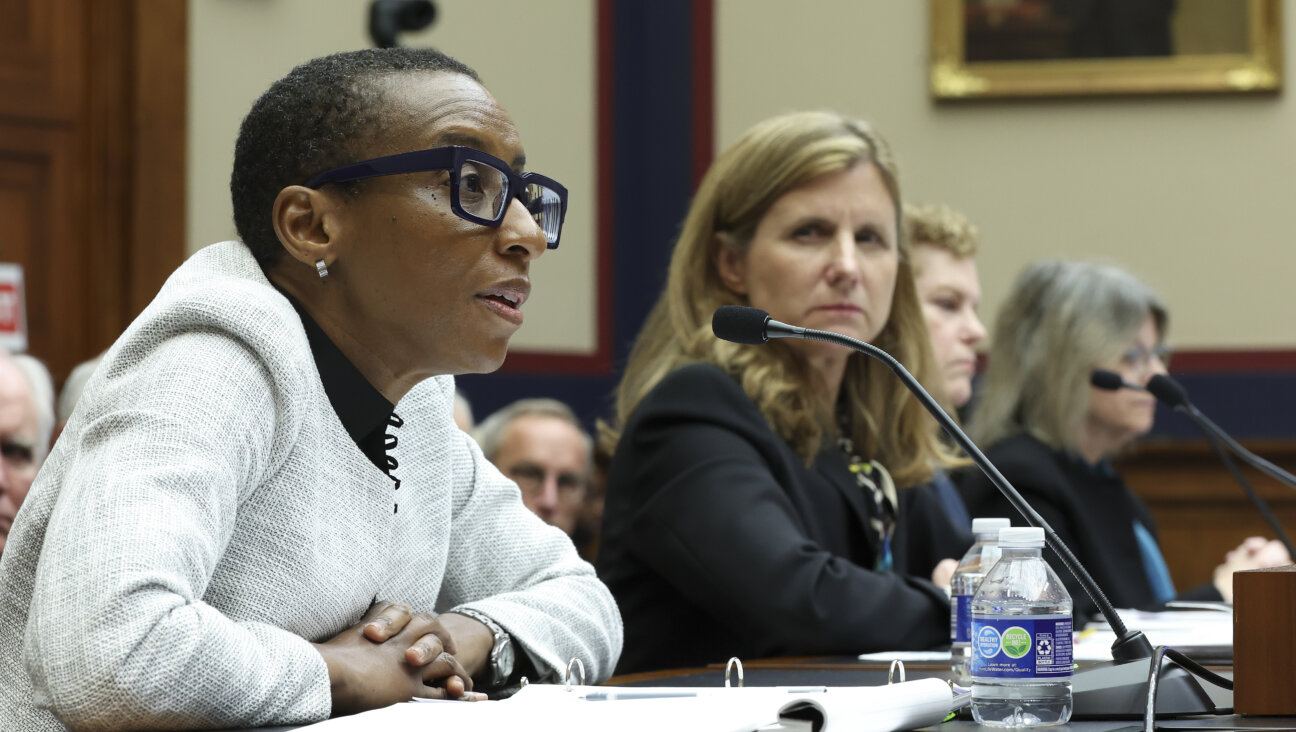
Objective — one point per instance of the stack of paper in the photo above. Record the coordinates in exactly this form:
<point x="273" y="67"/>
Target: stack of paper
<point x="1185" y="630"/>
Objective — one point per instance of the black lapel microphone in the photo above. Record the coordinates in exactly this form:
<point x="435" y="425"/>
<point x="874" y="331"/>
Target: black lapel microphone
<point x="1170" y="393"/>
<point x="1115" y="691"/>
<point x="1111" y="381"/>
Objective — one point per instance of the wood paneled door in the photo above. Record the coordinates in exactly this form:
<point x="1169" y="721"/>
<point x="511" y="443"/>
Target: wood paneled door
<point x="92" y="151"/>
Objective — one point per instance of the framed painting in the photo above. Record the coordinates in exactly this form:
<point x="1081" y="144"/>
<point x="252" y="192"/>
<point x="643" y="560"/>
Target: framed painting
<point x="1041" y="48"/>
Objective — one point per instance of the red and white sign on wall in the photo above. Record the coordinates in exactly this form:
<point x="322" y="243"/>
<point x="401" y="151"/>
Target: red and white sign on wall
<point x="13" y="309"/>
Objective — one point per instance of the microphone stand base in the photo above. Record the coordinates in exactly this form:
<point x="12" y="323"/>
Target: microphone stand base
<point x="1120" y="692"/>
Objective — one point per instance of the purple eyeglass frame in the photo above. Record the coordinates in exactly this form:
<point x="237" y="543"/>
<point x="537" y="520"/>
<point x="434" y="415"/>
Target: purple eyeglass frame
<point x="451" y="158"/>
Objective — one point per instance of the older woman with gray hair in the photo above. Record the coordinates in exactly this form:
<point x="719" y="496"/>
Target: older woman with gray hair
<point x="1051" y="433"/>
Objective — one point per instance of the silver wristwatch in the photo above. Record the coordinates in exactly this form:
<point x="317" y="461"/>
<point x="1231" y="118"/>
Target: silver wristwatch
<point x="500" y="662"/>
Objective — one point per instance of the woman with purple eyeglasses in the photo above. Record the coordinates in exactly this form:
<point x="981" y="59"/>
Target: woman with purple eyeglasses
<point x="261" y="511"/>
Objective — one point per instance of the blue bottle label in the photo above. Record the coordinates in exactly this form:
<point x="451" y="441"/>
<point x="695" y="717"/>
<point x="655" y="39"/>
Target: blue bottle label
<point x="1022" y="647"/>
<point x="960" y="618"/>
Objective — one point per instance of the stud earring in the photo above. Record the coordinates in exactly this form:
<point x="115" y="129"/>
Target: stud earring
<point x="321" y="268"/>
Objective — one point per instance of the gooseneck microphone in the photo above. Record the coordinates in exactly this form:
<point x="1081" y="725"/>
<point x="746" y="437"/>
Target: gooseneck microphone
<point x="1170" y="393"/>
<point x="751" y="326"/>
<point x="1119" y="691"/>
<point x="754" y="326"/>
<point x="1167" y="391"/>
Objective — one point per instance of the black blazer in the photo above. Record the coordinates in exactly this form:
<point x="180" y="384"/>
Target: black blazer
<point x="1092" y="511"/>
<point x="718" y="541"/>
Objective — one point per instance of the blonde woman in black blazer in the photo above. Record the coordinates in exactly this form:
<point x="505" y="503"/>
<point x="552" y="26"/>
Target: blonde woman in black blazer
<point x="752" y="505"/>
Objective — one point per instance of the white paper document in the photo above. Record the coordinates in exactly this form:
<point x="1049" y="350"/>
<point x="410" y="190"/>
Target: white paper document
<point x="906" y="656"/>
<point x="1180" y="629"/>
<point x="545" y="707"/>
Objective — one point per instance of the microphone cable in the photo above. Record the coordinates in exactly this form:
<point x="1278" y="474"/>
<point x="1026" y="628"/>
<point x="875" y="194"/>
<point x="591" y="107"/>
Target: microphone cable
<point x="1256" y="500"/>
<point x="1170" y="393"/>
<point x="753" y="326"/>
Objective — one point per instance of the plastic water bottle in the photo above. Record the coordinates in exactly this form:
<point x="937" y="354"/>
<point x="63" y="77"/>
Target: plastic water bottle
<point x="971" y="570"/>
<point x="1021" y="638"/>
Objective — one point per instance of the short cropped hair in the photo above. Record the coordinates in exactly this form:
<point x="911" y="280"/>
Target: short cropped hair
<point x="326" y="112"/>
<point x="490" y="433"/>
<point x="940" y="226"/>
<point x="41" y="388"/>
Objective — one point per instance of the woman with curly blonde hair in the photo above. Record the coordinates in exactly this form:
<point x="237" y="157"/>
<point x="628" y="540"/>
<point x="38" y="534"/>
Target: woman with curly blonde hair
<point x="752" y="507"/>
<point x="943" y="246"/>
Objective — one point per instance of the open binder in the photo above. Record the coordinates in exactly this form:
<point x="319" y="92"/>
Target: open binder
<point x="542" y="707"/>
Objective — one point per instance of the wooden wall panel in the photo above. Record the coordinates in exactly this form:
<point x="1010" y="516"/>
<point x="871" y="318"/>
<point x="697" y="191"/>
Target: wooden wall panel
<point x="42" y="59"/>
<point x="40" y="183"/>
<point x="92" y="151"/>
<point x="110" y="150"/>
<point x="159" y="130"/>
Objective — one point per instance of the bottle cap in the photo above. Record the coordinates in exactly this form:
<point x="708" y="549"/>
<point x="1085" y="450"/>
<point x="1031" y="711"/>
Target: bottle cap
<point x="989" y="525"/>
<point x="1022" y="537"/>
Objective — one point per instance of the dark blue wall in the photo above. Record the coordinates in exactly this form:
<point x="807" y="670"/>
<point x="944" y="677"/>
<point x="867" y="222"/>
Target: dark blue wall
<point x="1246" y="405"/>
<point x="652" y="148"/>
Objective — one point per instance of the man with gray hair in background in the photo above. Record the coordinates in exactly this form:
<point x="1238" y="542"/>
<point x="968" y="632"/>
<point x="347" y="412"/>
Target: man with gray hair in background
<point x="26" y="421"/>
<point x="542" y="446"/>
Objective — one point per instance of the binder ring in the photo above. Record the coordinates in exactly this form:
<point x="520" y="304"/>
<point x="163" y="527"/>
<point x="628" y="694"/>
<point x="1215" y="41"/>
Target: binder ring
<point x="734" y="662"/>
<point x="567" y="677"/>
<point x="891" y="673"/>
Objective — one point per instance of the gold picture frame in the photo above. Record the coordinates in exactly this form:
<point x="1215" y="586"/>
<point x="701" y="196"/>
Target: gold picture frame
<point x="1252" y="64"/>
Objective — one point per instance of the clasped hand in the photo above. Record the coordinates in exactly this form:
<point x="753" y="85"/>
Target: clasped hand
<point x="1254" y="553"/>
<point x="393" y="655"/>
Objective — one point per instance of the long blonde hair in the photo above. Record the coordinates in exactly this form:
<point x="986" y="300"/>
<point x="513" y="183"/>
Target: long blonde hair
<point x="1060" y="321"/>
<point x="772" y="158"/>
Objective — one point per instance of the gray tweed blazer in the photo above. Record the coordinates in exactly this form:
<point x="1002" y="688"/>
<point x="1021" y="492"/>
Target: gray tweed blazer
<point x="204" y="516"/>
